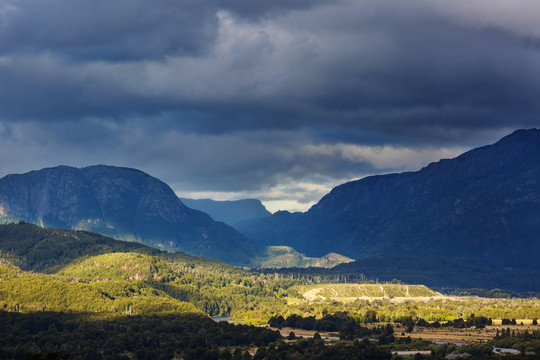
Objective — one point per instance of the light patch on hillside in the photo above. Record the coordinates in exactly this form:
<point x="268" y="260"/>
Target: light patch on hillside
<point x="351" y="292"/>
<point x="287" y="257"/>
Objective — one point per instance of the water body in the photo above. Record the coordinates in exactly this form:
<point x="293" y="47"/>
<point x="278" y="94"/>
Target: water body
<point x="506" y="350"/>
<point x="453" y="343"/>
<point x="222" y="318"/>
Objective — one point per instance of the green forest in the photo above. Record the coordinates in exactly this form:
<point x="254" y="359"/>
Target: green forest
<point x="79" y="295"/>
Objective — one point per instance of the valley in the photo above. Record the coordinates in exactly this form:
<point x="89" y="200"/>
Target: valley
<point x="269" y="180"/>
<point x="106" y="262"/>
<point x="97" y="287"/>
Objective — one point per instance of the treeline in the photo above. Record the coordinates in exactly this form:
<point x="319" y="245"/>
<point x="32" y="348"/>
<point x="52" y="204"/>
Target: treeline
<point x="433" y="272"/>
<point x="348" y="328"/>
<point x="521" y="340"/>
<point x="385" y="310"/>
<point x="514" y="322"/>
<point x="351" y="328"/>
<point x="338" y="322"/>
<point x="493" y="293"/>
<point x="478" y="322"/>
<point x="99" y="336"/>
<point x="310" y="349"/>
<point x="364" y="350"/>
<point x="464" y="351"/>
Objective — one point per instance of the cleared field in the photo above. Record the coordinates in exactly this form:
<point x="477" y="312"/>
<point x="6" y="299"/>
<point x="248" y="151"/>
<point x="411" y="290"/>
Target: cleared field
<point x="470" y="335"/>
<point x="349" y="292"/>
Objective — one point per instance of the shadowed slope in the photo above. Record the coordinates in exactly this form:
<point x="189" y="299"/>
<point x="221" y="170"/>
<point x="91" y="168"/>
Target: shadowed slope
<point x="125" y="203"/>
<point x="482" y="205"/>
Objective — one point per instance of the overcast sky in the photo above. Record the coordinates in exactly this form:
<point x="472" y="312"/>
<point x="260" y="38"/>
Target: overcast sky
<point x="279" y="100"/>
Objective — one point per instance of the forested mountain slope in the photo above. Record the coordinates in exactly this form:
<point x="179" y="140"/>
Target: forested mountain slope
<point x="59" y="270"/>
<point x="31" y="247"/>
<point x="125" y="203"/>
<point x="483" y="205"/>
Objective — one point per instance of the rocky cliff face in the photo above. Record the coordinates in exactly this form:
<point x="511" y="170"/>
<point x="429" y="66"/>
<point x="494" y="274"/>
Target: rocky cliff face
<point x="484" y="204"/>
<point x="124" y="203"/>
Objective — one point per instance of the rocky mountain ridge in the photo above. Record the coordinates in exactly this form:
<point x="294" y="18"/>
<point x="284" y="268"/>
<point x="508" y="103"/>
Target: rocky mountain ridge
<point x="483" y="205"/>
<point x="120" y="202"/>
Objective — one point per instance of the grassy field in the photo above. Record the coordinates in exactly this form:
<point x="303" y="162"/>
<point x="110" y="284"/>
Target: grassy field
<point x="351" y="292"/>
<point x="470" y="335"/>
<point x="451" y="335"/>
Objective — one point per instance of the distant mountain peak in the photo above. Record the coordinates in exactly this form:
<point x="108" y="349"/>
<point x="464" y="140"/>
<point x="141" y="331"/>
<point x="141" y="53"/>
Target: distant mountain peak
<point x="231" y="212"/>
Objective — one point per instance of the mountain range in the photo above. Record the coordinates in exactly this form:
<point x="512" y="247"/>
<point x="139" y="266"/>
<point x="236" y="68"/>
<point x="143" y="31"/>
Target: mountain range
<point x="482" y="205"/>
<point x="128" y="204"/>
<point x="124" y="203"/>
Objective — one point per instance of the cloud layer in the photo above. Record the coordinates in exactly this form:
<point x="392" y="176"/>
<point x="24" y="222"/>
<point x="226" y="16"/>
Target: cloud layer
<point x="280" y="100"/>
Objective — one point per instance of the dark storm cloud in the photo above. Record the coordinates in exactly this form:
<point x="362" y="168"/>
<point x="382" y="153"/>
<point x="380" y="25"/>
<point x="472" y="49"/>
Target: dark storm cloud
<point x="122" y="30"/>
<point x="109" y="30"/>
<point x="195" y="162"/>
<point x="380" y="66"/>
<point x="247" y="95"/>
<point x="240" y="162"/>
